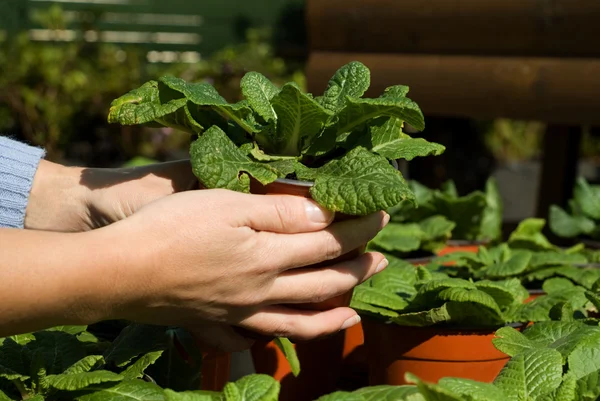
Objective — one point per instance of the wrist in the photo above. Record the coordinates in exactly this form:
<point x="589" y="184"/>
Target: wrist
<point x="57" y="201"/>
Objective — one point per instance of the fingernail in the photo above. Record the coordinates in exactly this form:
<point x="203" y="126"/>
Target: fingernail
<point x="317" y="214"/>
<point x="382" y="265"/>
<point x="386" y="220"/>
<point x="354" y="320"/>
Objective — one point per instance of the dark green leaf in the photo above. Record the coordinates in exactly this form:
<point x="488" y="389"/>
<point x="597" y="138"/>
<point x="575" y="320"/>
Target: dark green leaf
<point x="351" y="80"/>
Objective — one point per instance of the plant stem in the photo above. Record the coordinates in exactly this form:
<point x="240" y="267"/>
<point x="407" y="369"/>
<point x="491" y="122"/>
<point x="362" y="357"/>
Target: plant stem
<point x="22" y="390"/>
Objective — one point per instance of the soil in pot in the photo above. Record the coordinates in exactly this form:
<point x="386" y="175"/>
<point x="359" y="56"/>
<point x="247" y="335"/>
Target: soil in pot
<point x="430" y="353"/>
<point x="321" y="359"/>
<point x="461" y="246"/>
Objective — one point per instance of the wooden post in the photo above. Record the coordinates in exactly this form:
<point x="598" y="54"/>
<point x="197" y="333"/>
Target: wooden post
<point x="559" y="167"/>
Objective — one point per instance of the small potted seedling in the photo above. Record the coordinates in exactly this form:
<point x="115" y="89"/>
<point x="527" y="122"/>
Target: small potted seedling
<point x="339" y="149"/>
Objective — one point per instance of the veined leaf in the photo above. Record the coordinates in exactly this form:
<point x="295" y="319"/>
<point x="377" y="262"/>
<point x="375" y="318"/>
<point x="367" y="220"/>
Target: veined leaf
<point x="352" y="80"/>
<point x="359" y="183"/>
<point x="341" y="396"/>
<point x="531" y="375"/>
<point x="584" y="359"/>
<point x="86" y="364"/>
<point x="290" y="354"/>
<point x="368" y="309"/>
<point x="380" y="298"/>
<point x="14" y="360"/>
<point x="136" y="369"/>
<point x="587" y="198"/>
<point x="193" y="396"/>
<point x="550" y="258"/>
<point x="256" y="388"/>
<point x="512" y="342"/>
<point x="218" y="163"/>
<point x="59" y="349"/>
<point x="390" y="393"/>
<point x="259" y="91"/>
<point x="299" y="120"/>
<point x="128" y="390"/>
<point x="82" y="380"/>
<point x="402" y="238"/>
<point x="433" y="392"/>
<point x="424" y="318"/>
<point x="518" y="263"/>
<point x="134" y="340"/>
<point x="528" y="235"/>
<point x="504" y="293"/>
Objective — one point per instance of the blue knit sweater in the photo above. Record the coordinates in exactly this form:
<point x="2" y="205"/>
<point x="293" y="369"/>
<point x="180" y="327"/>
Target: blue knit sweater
<point x="18" y="164"/>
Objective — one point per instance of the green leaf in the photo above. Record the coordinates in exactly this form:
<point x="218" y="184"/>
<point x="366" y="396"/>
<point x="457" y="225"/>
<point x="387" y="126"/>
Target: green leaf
<point x="359" y="183"/>
<point x="433" y="392"/>
<point x="517" y="264"/>
<point x="359" y="111"/>
<point x="390" y="393"/>
<point x="585" y="357"/>
<point x="379" y="298"/>
<point x="351" y="80"/>
<point x="466" y="212"/>
<point x="259" y="91"/>
<point x="86" y="364"/>
<point x="567" y="226"/>
<point x="59" y="350"/>
<point x="424" y="318"/>
<point x="528" y="235"/>
<point x="491" y="220"/>
<point x="472" y="390"/>
<point x="82" y="380"/>
<point x="128" y="390"/>
<point x="136" y="339"/>
<point x="512" y="342"/>
<point x="398" y="278"/>
<point x="218" y="163"/>
<point x="136" y="369"/>
<point x="288" y="350"/>
<point x="205" y="95"/>
<point x="4" y="397"/>
<point x="587" y="198"/>
<point x="531" y="375"/>
<point x="341" y="396"/>
<point x="402" y="238"/>
<point x="436" y="227"/>
<point x="257" y="388"/>
<point x="192" y="396"/>
<point x="505" y="292"/>
<point x="69" y="329"/>
<point x="547" y="333"/>
<point x="551" y="258"/>
<point x="15" y="360"/>
<point x="299" y="120"/>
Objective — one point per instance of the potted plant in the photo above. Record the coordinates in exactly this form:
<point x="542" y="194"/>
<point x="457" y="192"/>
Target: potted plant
<point x="477" y="216"/>
<point x="433" y="325"/>
<point x="339" y="149"/>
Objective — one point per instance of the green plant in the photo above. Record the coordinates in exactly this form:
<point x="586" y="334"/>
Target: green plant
<point x="400" y="239"/>
<point x="583" y="216"/>
<point x="421" y="296"/>
<point x="342" y="142"/>
<point x="476" y="216"/>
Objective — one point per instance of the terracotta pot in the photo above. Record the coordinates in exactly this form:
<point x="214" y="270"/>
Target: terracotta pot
<point x="216" y="368"/>
<point x="355" y="368"/>
<point x="320" y="362"/>
<point x="533" y="294"/>
<point x="302" y="188"/>
<point x="321" y="359"/>
<point x="461" y="246"/>
<point x="430" y="353"/>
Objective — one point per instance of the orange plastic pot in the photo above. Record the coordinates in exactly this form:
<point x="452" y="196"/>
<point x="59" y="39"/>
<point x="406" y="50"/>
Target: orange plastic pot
<point x="355" y="368"/>
<point x="430" y="353"/>
<point x="216" y="368"/>
<point x="461" y="246"/>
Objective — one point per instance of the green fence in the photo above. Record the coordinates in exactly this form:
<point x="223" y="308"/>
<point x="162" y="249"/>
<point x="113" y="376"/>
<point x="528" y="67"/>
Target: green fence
<point x="201" y="26"/>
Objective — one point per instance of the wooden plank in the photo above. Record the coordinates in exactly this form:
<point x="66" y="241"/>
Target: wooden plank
<point x="559" y="167"/>
<point x="510" y="27"/>
<point x="563" y="91"/>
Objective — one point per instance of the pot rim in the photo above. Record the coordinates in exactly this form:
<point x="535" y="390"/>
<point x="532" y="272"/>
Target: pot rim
<point x="451" y="330"/>
<point x="536" y="291"/>
<point x="465" y="242"/>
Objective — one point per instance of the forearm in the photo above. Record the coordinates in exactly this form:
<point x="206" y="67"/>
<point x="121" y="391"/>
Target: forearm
<point x="49" y="279"/>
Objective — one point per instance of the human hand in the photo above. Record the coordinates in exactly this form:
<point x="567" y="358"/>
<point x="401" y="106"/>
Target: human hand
<point x="236" y="259"/>
<point x="74" y="199"/>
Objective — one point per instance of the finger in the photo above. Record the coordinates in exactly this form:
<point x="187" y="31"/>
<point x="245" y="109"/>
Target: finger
<point x="281" y="214"/>
<point x="219" y="336"/>
<point x="300" y="325"/>
<point x="317" y="285"/>
<point x="305" y="249"/>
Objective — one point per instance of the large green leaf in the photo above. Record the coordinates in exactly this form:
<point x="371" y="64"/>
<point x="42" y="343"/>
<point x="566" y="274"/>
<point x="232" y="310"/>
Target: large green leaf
<point x="398" y="278"/>
<point x="259" y="91"/>
<point x="531" y="375"/>
<point x="491" y="220"/>
<point x="341" y="396"/>
<point x="193" y="396"/>
<point x="82" y="380"/>
<point x="86" y="364"/>
<point x="59" y="350"/>
<point x="367" y="309"/>
<point x="380" y="298"/>
<point x="517" y="264"/>
<point x="505" y="292"/>
<point x="253" y="388"/>
<point x="128" y="390"/>
<point x="552" y="258"/>
<point x="512" y="342"/>
<point x="568" y="226"/>
<point x="528" y="235"/>
<point x="359" y="111"/>
<point x="359" y="183"/>
<point x="218" y="163"/>
<point x="424" y="318"/>
<point x="351" y="80"/>
<point x="299" y="120"/>
<point x="584" y="359"/>
<point x="466" y="212"/>
<point x="433" y="392"/>
<point x="397" y="237"/>
<point x="15" y="360"/>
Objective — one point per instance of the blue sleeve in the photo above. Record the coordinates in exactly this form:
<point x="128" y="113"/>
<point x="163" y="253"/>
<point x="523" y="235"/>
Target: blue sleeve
<point x="18" y="164"/>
